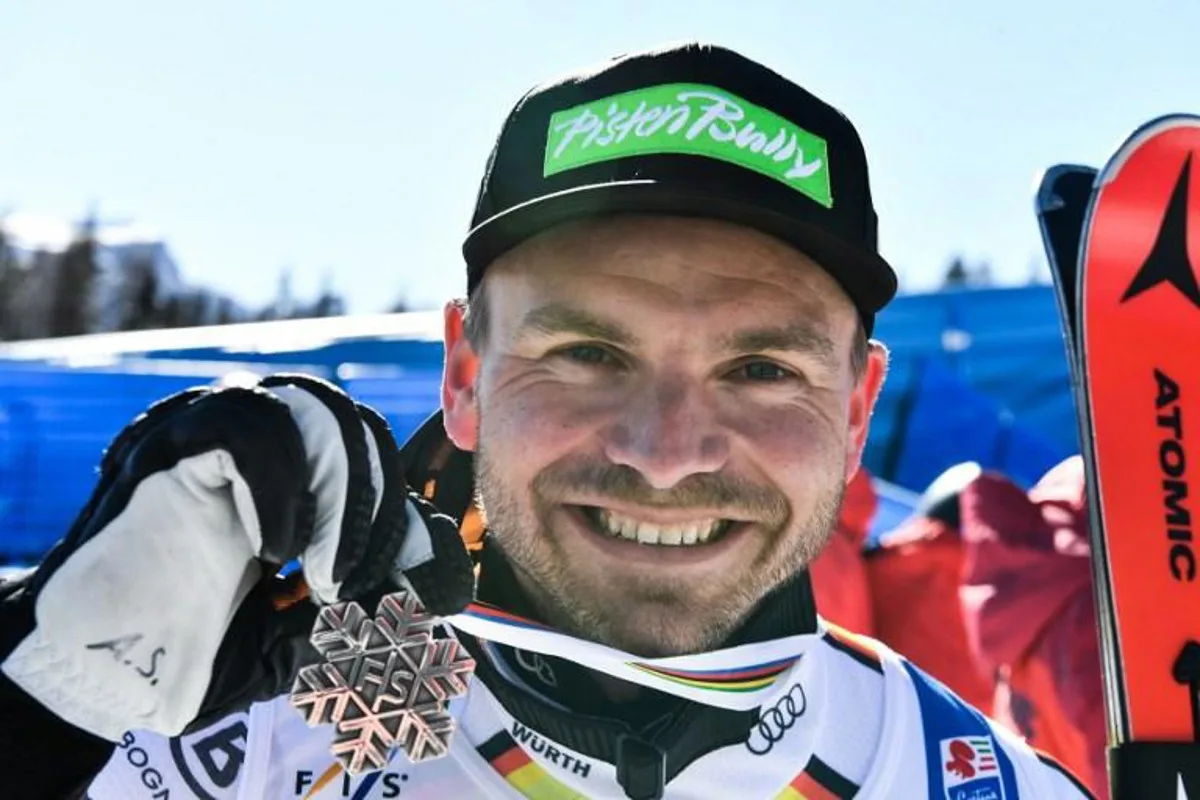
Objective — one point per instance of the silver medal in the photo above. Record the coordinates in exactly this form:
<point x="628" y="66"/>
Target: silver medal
<point x="385" y="682"/>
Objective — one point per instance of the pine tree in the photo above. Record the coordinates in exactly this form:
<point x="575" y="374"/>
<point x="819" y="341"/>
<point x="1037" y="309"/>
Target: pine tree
<point x="138" y="297"/>
<point x="285" y="302"/>
<point x="957" y="273"/>
<point x="328" y="303"/>
<point x="71" y="308"/>
<point x="8" y="289"/>
<point x="225" y="309"/>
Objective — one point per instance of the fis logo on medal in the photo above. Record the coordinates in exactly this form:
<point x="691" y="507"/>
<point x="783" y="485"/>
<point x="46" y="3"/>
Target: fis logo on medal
<point x="970" y="770"/>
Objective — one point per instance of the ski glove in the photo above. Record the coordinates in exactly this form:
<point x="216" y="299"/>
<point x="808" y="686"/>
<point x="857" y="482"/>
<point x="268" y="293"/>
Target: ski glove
<point x="160" y="610"/>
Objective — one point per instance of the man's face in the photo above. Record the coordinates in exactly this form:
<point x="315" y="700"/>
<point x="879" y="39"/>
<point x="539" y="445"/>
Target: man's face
<point x="664" y="416"/>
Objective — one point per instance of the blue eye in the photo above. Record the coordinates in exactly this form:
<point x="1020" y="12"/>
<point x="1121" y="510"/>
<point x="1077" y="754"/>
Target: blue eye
<point x="763" y="371"/>
<point x="588" y="354"/>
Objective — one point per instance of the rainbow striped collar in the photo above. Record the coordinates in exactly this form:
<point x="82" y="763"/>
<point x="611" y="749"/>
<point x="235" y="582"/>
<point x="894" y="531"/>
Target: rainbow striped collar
<point x="737" y="678"/>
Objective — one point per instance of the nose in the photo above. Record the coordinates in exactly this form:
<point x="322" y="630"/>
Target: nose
<point x="668" y="432"/>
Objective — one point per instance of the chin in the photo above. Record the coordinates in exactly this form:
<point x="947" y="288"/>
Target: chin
<point x="655" y="627"/>
<point x="668" y="639"/>
<point x="665" y="641"/>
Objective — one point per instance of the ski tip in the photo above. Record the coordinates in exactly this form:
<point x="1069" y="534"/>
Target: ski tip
<point x="1133" y="141"/>
<point x="1047" y="197"/>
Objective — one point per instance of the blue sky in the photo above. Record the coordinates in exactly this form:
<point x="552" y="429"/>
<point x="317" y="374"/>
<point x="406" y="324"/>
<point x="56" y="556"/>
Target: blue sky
<point x="349" y="138"/>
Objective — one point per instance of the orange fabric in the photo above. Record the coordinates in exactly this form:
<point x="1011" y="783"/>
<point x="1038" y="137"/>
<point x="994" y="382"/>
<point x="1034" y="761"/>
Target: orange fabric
<point x="1028" y="600"/>
<point x="838" y="575"/>
<point x="915" y="578"/>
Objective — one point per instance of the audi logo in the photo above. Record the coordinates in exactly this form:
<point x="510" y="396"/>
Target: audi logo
<point x="538" y="666"/>
<point x="775" y="721"/>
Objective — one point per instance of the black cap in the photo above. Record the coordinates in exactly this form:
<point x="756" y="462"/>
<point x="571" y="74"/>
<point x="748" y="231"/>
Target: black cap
<point x="691" y="130"/>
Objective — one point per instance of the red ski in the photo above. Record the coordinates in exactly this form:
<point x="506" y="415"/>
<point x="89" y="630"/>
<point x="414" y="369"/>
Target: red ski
<point x="1135" y="338"/>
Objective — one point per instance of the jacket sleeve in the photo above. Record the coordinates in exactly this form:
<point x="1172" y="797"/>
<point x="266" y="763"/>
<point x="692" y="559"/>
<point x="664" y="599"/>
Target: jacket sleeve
<point x="39" y="752"/>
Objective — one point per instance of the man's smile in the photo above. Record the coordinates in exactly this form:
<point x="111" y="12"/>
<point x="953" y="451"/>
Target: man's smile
<point x="657" y="538"/>
<point x="687" y="531"/>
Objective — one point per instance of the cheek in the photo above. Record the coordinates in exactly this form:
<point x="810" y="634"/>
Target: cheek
<point x="794" y="445"/>
<point x="538" y="421"/>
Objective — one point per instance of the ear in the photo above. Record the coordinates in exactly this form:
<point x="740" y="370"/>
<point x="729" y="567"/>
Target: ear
<point x="460" y="403"/>
<point x="862" y="404"/>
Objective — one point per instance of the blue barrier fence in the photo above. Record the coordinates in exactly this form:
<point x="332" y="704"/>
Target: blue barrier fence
<point x="54" y="425"/>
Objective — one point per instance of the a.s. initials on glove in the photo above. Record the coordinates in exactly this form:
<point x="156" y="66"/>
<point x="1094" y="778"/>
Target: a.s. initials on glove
<point x="156" y="611"/>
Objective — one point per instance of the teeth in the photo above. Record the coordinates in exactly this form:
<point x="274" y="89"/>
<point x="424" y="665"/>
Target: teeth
<point x="689" y="533"/>
<point x="672" y="536"/>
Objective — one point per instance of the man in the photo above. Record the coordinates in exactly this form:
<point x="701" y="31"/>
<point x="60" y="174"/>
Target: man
<point x="663" y="377"/>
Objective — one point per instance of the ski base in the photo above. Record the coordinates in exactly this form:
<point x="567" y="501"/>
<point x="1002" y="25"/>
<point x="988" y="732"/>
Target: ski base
<point x="1155" y="770"/>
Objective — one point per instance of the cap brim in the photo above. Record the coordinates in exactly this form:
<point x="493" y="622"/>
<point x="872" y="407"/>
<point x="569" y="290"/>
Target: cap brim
<point x="864" y="275"/>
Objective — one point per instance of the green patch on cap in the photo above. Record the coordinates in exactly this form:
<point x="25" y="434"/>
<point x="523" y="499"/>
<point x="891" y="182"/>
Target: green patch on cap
<point x="690" y="119"/>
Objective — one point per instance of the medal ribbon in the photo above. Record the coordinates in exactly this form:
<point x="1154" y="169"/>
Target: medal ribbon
<point x="736" y="678"/>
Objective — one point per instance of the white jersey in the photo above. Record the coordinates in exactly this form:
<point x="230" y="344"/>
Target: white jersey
<point x="850" y="719"/>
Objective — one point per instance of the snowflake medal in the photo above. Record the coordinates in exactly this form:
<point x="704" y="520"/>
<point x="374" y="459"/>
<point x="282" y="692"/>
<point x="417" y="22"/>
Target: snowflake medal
<point x="385" y="682"/>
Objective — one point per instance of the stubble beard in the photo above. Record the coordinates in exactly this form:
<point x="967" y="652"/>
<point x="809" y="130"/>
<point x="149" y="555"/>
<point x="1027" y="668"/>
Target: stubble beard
<point x="645" y="615"/>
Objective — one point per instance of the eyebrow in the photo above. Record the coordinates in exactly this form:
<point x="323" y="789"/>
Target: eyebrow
<point x="796" y="338"/>
<point x="555" y="319"/>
